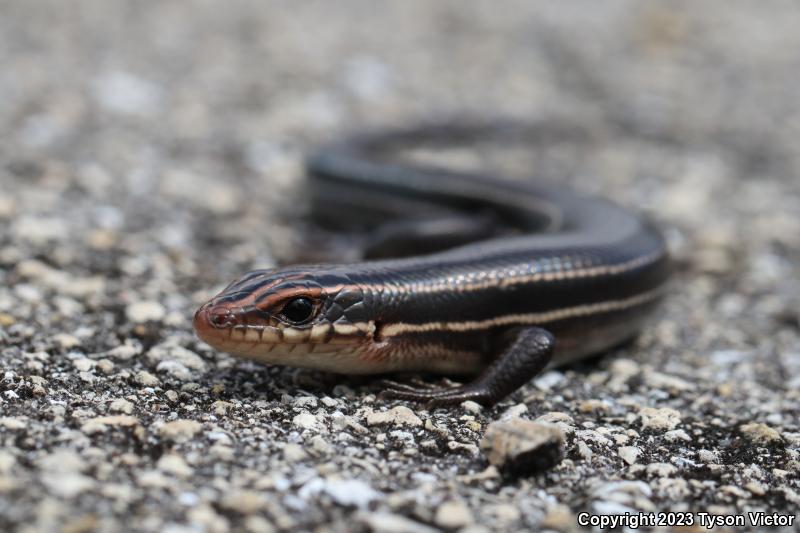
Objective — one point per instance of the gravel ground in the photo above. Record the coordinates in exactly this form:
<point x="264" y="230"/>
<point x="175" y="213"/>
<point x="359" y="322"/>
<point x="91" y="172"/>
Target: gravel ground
<point x="151" y="152"/>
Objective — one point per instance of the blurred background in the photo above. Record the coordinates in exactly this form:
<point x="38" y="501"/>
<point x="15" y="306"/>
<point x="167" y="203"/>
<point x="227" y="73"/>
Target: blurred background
<point x="151" y="152"/>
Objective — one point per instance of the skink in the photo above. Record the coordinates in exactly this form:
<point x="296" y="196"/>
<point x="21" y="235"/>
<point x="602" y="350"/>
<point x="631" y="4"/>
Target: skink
<point x="571" y="275"/>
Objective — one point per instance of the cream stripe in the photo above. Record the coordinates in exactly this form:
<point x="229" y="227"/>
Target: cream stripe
<point x="511" y="277"/>
<point x="508" y="277"/>
<point x="523" y="318"/>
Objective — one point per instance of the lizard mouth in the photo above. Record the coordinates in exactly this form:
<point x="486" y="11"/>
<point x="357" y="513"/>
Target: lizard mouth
<point x="233" y="330"/>
<point x="222" y="326"/>
<point x="215" y="322"/>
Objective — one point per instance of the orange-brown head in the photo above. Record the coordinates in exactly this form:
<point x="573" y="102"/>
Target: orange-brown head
<point x="297" y="317"/>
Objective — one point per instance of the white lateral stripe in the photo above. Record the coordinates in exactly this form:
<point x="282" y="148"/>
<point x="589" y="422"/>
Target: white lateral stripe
<point x="486" y="280"/>
<point x="523" y="318"/>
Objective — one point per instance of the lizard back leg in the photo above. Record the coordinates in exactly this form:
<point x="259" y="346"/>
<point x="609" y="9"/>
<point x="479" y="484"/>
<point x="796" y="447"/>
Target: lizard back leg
<point x="528" y="354"/>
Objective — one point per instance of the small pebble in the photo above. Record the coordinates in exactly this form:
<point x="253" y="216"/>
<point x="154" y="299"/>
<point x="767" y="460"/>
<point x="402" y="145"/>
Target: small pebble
<point x="351" y="492"/>
<point x="103" y="423"/>
<point x="174" y="465"/>
<point x="307" y="421"/>
<point x="515" y="411"/>
<point x="472" y="407"/>
<point x="66" y="341"/>
<point x="221" y="408"/>
<point x="593" y="406"/>
<point x="761" y="434"/>
<point x="708" y="456"/>
<point x="559" y="518"/>
<point x="83" y="364"/>
<point x="663" y="419"/>
<point x="293" y="453"/>
<point x="12" y="423"/>
<point x="320" y="446"/>
<point x="305" y="402"/>
<point x="180" y="430"/>
<point x="453" y="514"/>
<point x="630" y="454"/>
<point x="246" y="502"/>
<point x="146" y="379"/>
<point x="147" y="311"/>
<point x="521" y="447"/>
<point x="125" y="351"/>
<point x="676" y="435"/>
<point x="329" y="402"/>
<point x="105" y="366"/>
<point x="204" y="518"/>
<point x="397" y="416"/>
<point x="173" y="353"/>
<point x="393" y="523"/>
<point x="121" y="405"/>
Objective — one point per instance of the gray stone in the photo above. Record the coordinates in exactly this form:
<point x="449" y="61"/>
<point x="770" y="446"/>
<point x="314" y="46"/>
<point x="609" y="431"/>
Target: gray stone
<point x="521" y="447"/>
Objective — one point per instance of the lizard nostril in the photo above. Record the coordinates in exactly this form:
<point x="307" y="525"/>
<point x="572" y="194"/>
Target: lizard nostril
<point x="221" y="317"/>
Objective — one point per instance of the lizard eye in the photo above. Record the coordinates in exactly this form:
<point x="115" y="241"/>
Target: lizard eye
<point x="298" y="310"/>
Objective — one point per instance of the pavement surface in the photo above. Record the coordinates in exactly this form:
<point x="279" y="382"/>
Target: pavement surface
<point x="151" y="152"/>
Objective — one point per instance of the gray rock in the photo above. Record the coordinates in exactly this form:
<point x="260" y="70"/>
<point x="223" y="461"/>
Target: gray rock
<point x="180" y="430"/>
<point x="392" y="523"/>
<point x="520" y="447"/>
<point x="761" y="434"/>
<point x="396" y="416"/>
<point x="146" y="311"/>
<point x="453" y="514"/>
